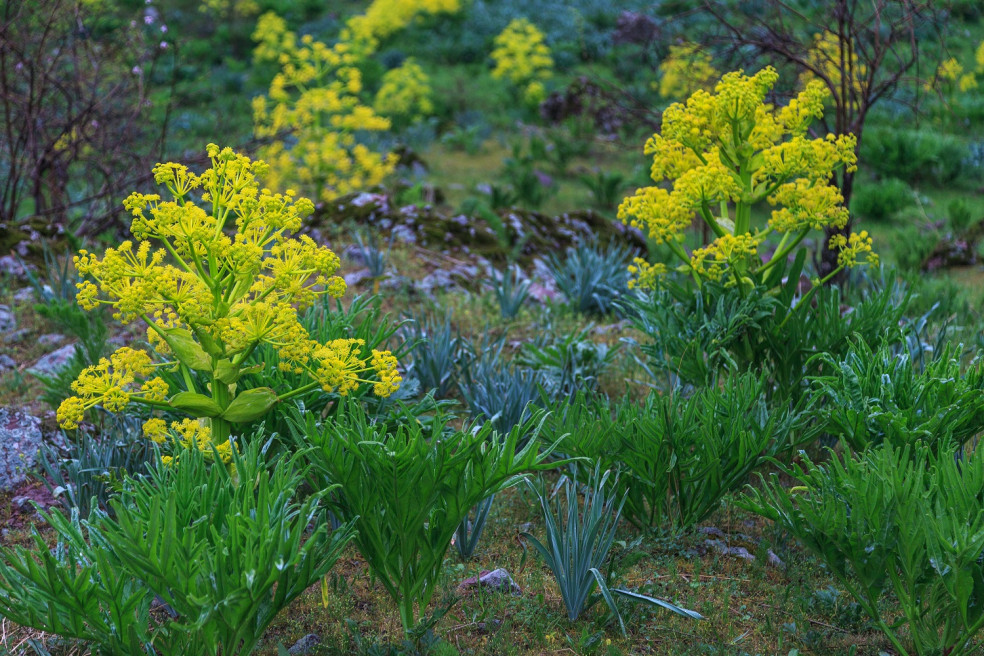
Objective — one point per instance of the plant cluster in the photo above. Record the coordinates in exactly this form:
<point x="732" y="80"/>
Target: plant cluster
<point x="900" y="520"/>
<point x="522" y="57"/>
<point x="227" y="554"/>
<point x="405" y="93"/>
<point x="209" y="300"/>
<point x="726" y="151"/>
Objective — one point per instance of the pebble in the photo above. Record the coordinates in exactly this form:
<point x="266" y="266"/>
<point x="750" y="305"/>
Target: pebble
<point x="304" y="645"/>
<point x="497" y="579"/>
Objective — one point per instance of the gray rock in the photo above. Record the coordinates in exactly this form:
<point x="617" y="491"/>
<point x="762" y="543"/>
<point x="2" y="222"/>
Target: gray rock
<point x="20" y="439"/>
<point x="51" y="339"/>
<point x="7" y="363"/>
<point x="498" y="579"/>
<point x="27" y="295"/>
<point x="8" y="322"/>
<point x="725" y="550"/>
<point x="24" y="295"/>
<point x="52" y="363"/>
<point x="12" y="266"/>
<point x="304" y="645"/>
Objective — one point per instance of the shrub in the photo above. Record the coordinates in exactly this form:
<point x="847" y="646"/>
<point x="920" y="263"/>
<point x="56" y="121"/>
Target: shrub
<point x="233" y="552"/>
<point x="881" y="200"/>
<point x="568" y="364"/>
<point x="314" y="98"/>
<point x="875" y="396"/>
<point x="528" y="184"/>
<point x="913" y="155"/>
<point x="227" y="554"/>
<point x="590" y="277"/>
<point x="405" y="93"/>
<point x="680" y="456"/>
<point x="404" y="537"/>
<point x="901" y="520"/>
<point x="522" y="57"/>
<point x="697" y="338"/>
<point x="79" y="589"/>
<point x="606" y="188"/>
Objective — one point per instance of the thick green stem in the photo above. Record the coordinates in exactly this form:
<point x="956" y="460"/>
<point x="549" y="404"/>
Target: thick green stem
<point x="406" y="613"/>
<point x="221" y="428"/>
<point x="782" y="251"/>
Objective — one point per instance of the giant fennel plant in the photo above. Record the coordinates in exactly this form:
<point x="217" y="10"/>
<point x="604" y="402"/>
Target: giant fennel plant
<point x="314" y="108"/>
<point x="722" y="153"/>
<point x="214" y="274"/>
<point x="522" y="57"/>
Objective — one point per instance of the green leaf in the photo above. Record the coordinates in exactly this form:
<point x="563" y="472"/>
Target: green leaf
<point x="187" y="349"/>
<point x="227" y="372"/>
<point x="607" y="594"/>
<point x="635" y="596"/>
<point x="250" y="405"/>
<point x="195" y="404"/>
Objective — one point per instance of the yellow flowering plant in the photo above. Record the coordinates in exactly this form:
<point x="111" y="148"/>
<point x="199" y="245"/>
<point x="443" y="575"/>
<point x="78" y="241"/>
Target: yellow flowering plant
<point x="215" y="273"/>
<point x="686" y="69"/>
<point x="721" y="153"/>
<point x="314" y="99"/>
<point x="522" y="57"/>
<point x="405" y="93"/>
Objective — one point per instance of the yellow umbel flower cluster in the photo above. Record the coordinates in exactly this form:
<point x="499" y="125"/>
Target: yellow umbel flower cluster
<point x="384" y="18"/>
<point x="522" y="57"/>
<point x="405" y="93"/>
<point x="314" y="99"/>
<point x="226" y="277"/>
<point x="112" y="383"/>
<point x="723" y="152"/>
<point x="686" y="69"/>
<point x="832" y="60"/>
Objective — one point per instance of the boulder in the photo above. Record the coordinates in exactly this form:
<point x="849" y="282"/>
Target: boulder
<point x="20" y="440"/>
<point x="51" y="363"/>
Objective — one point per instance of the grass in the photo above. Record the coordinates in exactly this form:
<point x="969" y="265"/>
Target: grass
<point x="752" y="608"/>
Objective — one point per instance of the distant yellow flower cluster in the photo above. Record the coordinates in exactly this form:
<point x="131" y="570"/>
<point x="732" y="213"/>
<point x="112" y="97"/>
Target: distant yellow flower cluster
<point x="225" y="277"/>
<point x="315" y="99"/>
<point x="522" y="57"/>
<point x="686" y="69"/>
<point x="238" y="8"/>
<point x="721" y="153"/>
<point x="405" y="92"/>
<point x="384" y="18"/>
<point x="832" y="62"/>
<point x="951" y="74"/>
